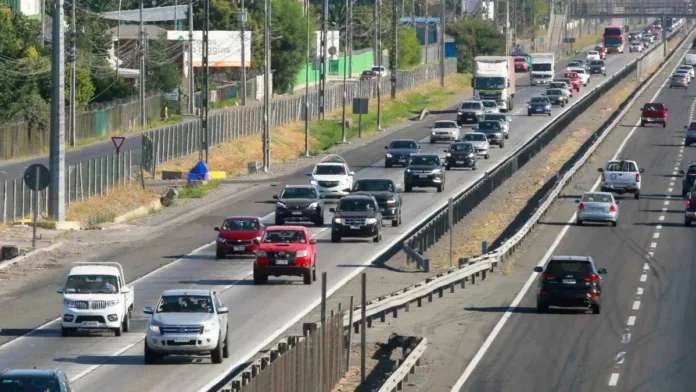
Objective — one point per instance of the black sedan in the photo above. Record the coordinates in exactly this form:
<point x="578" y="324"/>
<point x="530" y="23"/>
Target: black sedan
<point x="460" y="155"/>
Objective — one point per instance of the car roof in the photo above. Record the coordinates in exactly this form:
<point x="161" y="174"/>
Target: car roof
<point x="598" y="193"/>
<point x="471" y="101"/>
<point x="445" y="121"/>
<point x="348" y="197"/>
<point x="287" y="227"/>
<point x="329" y="164"/>
<point x="404" y="140"/>
<point x="187" y="292"/>
<point x="253" y="217"/>
<point x="488" y="121"/>
<point x="94" y="270"/>
<point x="30" y="372"/>
<point x="425" y="155"/>
<point x="572" y="258"/>
<point x="299" y="186"/>
<point x="374" y="179"/>
<point x="476" y="133"/>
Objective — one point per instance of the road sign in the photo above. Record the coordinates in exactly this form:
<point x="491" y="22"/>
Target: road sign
<point x="118" y="142"/>
<point x="569" y="40"/>
<point x="37" y="177"/>
<point x="360" y="105"/>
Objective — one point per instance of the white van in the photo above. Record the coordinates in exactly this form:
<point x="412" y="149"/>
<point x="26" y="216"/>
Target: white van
<point x="690" y="59"/>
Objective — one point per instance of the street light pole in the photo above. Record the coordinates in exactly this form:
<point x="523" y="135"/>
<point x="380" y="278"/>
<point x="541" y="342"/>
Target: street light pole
<point x="307" y="116"/>
<point x="442" y="42"/>
<point x="242" y="16"/>
<point x="394" y="49"/>
<point x="345" y="74"/>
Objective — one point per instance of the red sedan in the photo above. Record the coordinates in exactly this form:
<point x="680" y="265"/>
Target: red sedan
<point x="521" y="65"/>
<point x="236" y="236"/>
<point x="602" y="52"/>
<point x="286" y="250"/>
<point x="574" y="78"/>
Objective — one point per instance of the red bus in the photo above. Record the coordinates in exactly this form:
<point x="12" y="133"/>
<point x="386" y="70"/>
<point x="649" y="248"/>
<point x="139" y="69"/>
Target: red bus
<point x="614" y="39"/>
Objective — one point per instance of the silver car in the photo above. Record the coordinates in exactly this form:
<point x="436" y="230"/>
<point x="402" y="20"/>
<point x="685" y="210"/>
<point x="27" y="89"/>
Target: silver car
<point x="490" y="107"/>
<point x="479" y="141"/>
<point x="444" y="130"/>
<point x="597" y="207"/>
<point x="678" y="81"/>
<point x="504" y="122"/>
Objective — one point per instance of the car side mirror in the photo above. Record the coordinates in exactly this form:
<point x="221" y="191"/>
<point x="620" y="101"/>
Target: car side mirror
<point x="601" y="170"/>
<point x="216" y="228"/>
<point x="351" y="173"/>
<point x="308" y="173"/>
<point x="641" y="171"/>
<point x="59" y="290"/>
<point x="256" y="241"/>
<point x="275" y="197"/>
<point x="148" y="310"/>
<point x="313" y="241"/>
<point x="332" y="210"/>
<point x="577" y="201"/>
<point x="420" y="147"/>
<point x="223" y="310"/>
<point x="126" y="290"/>
<point x="617" y="202"/>
<point x="386" y="147"/>
<point x="602" y="271"/>
<point x="445" y="150"/>
<point x="538" y="269"/>
<point x="681" y="172"/>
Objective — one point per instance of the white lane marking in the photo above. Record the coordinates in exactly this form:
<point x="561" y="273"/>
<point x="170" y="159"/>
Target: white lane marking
<point x="644" y="277"/>
<point x="658" y="227"/>
<point x="674" y="173"/>
<point x="626" y="338"/>
<point x="664" y="210"/>
<point x="646" y="266"/>
<point x="671" y="184"/>
<point x="661" y="218"/>
<point x="631" y="321"/>
<point x="620" y="358"/>
<point x="639" y="291"/>
<point x="614" y="379"/>
<point x="651" y="254"/>
<point x="669" y="189"/>
<point x="666" y="202"/>
<point x="653" y="245"/>
<point x="506" y="316"/>
<point x="673" y="178"/>
<point x="656" y="235"/>
<point x="636" y="305"/>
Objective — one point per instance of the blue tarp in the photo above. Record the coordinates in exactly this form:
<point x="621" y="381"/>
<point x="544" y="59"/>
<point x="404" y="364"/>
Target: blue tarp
<point x="199" y="172"/>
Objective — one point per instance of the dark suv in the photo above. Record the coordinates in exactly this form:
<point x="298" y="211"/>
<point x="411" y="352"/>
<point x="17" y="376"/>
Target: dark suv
<point x="570" y="282"/>
<point x="690" y="208"/>
<point x="460" y="155"/>
<point x="398" y="152"/>
<point x="299" y="203"/>
<point x="387" y="195"/>
<point x="689" y="178"/>
<point x="356" y="216"/>
<point x="424" y="171"/>
<point x="34" y="380"/>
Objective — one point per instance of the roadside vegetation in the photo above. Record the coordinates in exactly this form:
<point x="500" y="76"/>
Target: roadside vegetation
<point x="103" y="209"/>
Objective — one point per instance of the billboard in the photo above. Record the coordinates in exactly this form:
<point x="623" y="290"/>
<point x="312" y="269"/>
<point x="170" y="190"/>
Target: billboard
<point x="224" y="47"/>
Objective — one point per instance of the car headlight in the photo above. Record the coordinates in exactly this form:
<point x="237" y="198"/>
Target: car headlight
<point x="112" y="303"/>
<point x="313" y="182"/>
<point x="391" y="201"/>
<point x="471" y="155"/>
<point x="260" y="253"/>
<point x="337" y="221"/>
<point x="280" y="205"/>
<point x="389" y="155"/>
<point x="69" y="303"/>
<point x="437" y="171"/>
<point x="432" y="133"/>
<point x="208" y="328"/>
<point x="460" y="112"/>
<point x="220" y="239"/>
<point x="408" y="170"/>
<point x="302" y="253"/>
<point x="529" y="107"/>
<point x="547" y="106"/>
<point x="313" y="205"/>
<point x="155" y="328"/>
<point x="371" y="221"/>
<point x="449" y="155"/>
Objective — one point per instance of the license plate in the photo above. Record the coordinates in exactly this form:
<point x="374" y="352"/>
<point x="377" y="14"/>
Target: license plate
<point x="355" y="227"/>
<point x="423" y="175"/>
<point x="90" y="323"/>
<point x="569" y="281"/>
<point x="460" y="162"/>
<point x="297" y="212"/>
<point x="239" y="248"/>
<point x="181" y="340"/>
<point x="402" y="160"/>
<point x="281" y="262"/>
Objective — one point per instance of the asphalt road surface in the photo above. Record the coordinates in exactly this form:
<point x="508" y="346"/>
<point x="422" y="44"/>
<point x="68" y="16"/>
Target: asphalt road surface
<point x="258" y="314"/>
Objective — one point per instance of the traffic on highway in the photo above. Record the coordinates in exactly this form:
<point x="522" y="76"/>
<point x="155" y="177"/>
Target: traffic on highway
<point x="253" y="271"/>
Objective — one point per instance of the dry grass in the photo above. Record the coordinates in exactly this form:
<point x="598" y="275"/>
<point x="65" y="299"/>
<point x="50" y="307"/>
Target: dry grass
<point x="351" y="380"/>
<point x="288" y="141"/>
<point x="490" y="225"/>
<point x="101" y="209"/>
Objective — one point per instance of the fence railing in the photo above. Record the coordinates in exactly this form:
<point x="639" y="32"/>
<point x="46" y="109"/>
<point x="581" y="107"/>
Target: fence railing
<point x="184" y="139"/>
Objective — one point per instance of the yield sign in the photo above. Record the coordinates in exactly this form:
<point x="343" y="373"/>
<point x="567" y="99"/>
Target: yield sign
<point x="118" y="142"/>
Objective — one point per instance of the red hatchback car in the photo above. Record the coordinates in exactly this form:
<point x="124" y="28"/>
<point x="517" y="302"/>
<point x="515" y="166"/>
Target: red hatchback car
<point x="237" y="235"/>
<point x="602" y="51"/>
<point x="574" y="78"/>
<point x="286" y="250"/>
<point x="521" y="65"/>
<point x="655" y="113"/>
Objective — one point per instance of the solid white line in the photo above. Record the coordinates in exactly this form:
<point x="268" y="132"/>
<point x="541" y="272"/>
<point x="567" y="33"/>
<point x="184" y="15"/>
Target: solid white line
<point x="631" y="321"/>
<point x="666" y="202"/>
<point x="644" y="277"/>
<point x="614" y="379"/>
<point x="636" y="305"/>
<point x="639" y="291"/>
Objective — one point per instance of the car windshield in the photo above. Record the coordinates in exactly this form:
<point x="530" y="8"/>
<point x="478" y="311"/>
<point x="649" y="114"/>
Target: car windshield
<point x="91" y="284"/>
<point x="541" y="67"/>
<point x="185" y="304"/>
<point x="612" y="41"/>
<point x="462" y="147"/>
<point x="377" y="69"/>
<point x="241" y="224"/>
<point x="494" y="117"/>
<point x="554" y="92"/>
<point x="539" y="100"/>
<point x="489" y="83"/>
<point x="562" y="267"/>
<point x="571" y="75"/>
<point x="597" y="62"/>
<point x="692" y="125"/>
<point x="621" y="166"/>
<point x="520" y="60"/>
<point x="38" y="383"/>
<point x="681" y="72"/>
<point x="574" y="64"/>
<point x="329" y="169"/>
<point x="490" y="104"/>
<point x="374" y="186"/>
<point x="445" y="124"/>
<point x="298" y="193"/>
<point x="593" y="53"/>
<point x="597" y="198"/>
<point x="284" y="237"/>
<point x="686" y="68"/>
<point x="427" y="160"/>
<point x="472" y="137"/>
<point x="691" y="170"/>
<point x="652" y="107"/>
<point x="368" y="73"/>
<point x="356" y="205"/>
<point x="485" y="126"/>
<point x="405" y="144"/>
<point x="558" y="85"/>
<point x="470" y="105"/>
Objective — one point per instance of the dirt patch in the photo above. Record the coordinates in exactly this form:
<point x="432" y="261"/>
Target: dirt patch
<point x="378" y="366"/>
<point x="487" y="222"/>
<point x="100" y="209"/>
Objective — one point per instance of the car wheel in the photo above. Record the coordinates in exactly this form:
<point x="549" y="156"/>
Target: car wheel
<point x="216" y="354"/>
<point x="614" y="223"/>
<point x="307" y="276"/>
<point x="408" y="188"/>
<point x="636" y="195"/>
<point x="314" y="272"/>
<point x="473" y="167"/>
<point x="319" y="221"/>
<point x="395" y="222"/>
<point x="578" y="222"/>
<point x="151" y="357"/>
<point x="126" y="321"/>
<point x="541" y="308"/>
<point x="219" y="255"/>
<point x="687" y="222"/>
<point x="596" y="309"/>
<point x="549" y="114"/>
<point x="507" y="136"/>
<point x="448" y="167"/>
<point x="387" y="165"/>
<point x="439" y="188"/>
<point x="664" y="125"/>
<point x="432" y="141"/>
<point x="642" y="124"/>
<point x="502" y="144"/>
<point x="226" y="345"/>
<point x="562" y="104"/>
<point x="279" y="221"/>
<point x="529" y="114"/>
<point x="118" y="331"/>
<point x="260" y="278"/>
<point x="377" y="238"/>
<point x="65" y="332"/>
<point x="335" y="238"/>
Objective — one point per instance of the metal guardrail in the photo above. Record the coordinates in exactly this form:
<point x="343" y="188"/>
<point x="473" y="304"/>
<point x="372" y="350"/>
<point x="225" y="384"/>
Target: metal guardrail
<point x="406" y="366"/>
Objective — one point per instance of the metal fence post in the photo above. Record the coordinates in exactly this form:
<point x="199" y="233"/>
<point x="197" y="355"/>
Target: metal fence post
<point x="363" y="325"/>
<point x="14" y="200"/>
<point x="350" y="333"/>
<point x="24" y="214"/>
<point x="4" y="202"/>
<point x="450" y="226"/>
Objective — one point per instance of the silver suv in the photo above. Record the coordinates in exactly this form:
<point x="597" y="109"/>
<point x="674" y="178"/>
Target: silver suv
<point x="187" y="322"/>
<point x="690" y="134"/>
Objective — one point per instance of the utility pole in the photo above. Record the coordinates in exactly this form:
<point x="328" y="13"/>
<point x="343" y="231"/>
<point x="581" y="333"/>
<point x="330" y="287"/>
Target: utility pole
<point x="427" y="36"/>
<point x="374" y="26"/>
<point x="56" y="206"/>
<point x="442" y="42"/>
<point x="379" y="64"/>
<point x="533" y="25"/>
<point x="345" y="75"/>
<point x="206" y="95"/>
<point x="191" y="78"/>
<point x="71" y="57"/>
<point x="42" y="33"/>
<point x="350" y="39"/>
<point x="324" y="57"/>
<point x="307" y="116"/>
<point x="394" y="51"/>
<point x="267" y="87"/>
<point x="507" y="28"/>
<point x="413" y="14"/>
<point x="141" y="36"/>
<point x="242" y="21"/>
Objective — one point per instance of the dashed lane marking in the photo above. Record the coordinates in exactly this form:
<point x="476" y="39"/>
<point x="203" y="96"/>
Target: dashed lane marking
<point x="644" y="277"/>
<point x="636" y="305"/>
<point x="614" y="379"/>
<point x="631" y="321"/>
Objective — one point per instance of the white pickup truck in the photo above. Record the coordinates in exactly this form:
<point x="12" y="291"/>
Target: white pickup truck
<point x="95" y="297"/>
<point x="621" y="176"/>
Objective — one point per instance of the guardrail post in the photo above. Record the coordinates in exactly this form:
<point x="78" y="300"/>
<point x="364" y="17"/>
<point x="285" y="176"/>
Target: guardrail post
<point x="350" y="333"/>
<point x="363" y="322"/>
<point x="450" y="226"/>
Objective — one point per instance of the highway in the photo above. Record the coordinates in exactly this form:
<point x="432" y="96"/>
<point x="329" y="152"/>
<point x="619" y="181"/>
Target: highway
<point x="643" y="339"/>
<point x="258" y="314"/>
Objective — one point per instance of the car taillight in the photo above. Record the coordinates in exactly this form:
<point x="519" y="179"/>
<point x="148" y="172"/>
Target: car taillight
<point x="591" y="278"/>
<point x="581" y="207"/>
<point x="612" y="208"/>
<point x="688" y="203"/>
<point x="543" y="293"/>
<point x="593" y="294"/>
<point x="546" y="277"/>
<point x="637" y="177"/>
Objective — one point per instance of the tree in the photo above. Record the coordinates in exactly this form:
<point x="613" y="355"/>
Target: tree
<point x="475" y="37"/>
<point x="84" y="88"/>
<point x="409" y="50"/>
<point x="35" y="112"/>
<point x="162" y="74"/>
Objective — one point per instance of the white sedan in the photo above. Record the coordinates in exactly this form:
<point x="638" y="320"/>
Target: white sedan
<point x="593" y="55"/>
<point x="688" y="69"/>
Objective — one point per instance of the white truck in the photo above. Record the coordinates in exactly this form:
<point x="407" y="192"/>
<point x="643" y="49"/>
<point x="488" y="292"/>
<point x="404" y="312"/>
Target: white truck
<point x="494" y="79"/>
<point x="543" y="66"/>
<point x="621" y="176"/>
<point x="95" y="297"/>
<point x="690" y="59"/>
